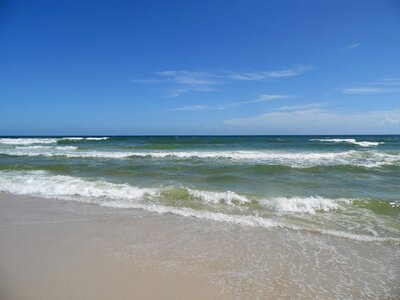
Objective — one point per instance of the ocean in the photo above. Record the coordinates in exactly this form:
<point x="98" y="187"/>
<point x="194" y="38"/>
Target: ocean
<point x="343" y="186"/>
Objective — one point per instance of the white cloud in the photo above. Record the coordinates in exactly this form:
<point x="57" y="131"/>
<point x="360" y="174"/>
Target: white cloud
<point x="352" y="46"/>
<point x="184" y="81"/>
<point x="366" y="90"/>
<point x="261" y="98"/>
<point x="318" y="121"/>
<point x="248" y="76"/>
<point x="189" y="78"/>
<point x="197" y="107"/>
<point x="302" y="107"/>
<point x="390" y="82"/>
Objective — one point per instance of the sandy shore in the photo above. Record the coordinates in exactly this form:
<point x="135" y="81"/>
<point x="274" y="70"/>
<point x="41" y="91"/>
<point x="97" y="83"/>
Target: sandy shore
<point x="52" y="249"/>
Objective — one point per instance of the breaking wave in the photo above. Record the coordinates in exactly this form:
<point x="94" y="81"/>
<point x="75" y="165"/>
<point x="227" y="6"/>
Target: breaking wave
<point x="366" y="159"/>
<point x="349" y="141"/>
<point x="84" y="138"/>
<point x="32" y="141"/>
<point x="103" y="193"/>
<point x="27" y="141"/>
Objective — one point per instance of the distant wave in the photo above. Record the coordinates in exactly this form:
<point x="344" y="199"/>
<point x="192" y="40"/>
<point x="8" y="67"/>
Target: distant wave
<point x="292" y="159"/>
<point x="350" y="141"/>
<point x="27" y="141"/>
<point x="32" y="141"/>
<point x="103" y="193"/>
<point x="40" y="147"/>
<point x="84" y="138"/>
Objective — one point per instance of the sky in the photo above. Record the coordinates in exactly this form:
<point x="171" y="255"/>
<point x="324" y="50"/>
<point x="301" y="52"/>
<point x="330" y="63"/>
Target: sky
<point x="199" y="67"/>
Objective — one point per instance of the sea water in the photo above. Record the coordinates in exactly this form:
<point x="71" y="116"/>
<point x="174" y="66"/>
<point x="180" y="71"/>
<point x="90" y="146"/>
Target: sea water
<point x="344" y="186"/>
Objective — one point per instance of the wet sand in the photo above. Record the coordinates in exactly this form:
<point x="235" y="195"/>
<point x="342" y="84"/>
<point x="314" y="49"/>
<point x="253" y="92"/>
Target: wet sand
<point x="53" y="249"/>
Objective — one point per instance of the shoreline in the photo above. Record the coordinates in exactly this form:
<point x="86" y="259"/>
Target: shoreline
<point x="63" y="249"/>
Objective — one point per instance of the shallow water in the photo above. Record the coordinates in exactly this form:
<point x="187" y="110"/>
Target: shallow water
<point x="347" y="186"/>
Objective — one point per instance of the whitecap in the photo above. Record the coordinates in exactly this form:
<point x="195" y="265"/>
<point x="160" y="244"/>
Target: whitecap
<point x="368" y="159"/>
<point x="310" y="205"/>
<point x="103" y="193"/>
<point x="27" y="141"/>
<point x="84" y="138"/>
<point x="217" y="197"/>
<point x="350" y="141"/>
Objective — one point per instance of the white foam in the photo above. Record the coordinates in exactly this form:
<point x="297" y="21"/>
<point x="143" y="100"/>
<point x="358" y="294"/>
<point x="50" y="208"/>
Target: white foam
<point x="40" y="183"/>
<point x="350" y="141"/>
<point x="310" y="205"/>
<point x="27" y="141"/>
<point x="71" y="139"/>
<point x="395" y="203"/>
<point x="85" y="138"/>
<point x="291" y="159"/>
<point x="39" y="147"/>
<point x="217" y="197"/>
<point x="97" y="138"/>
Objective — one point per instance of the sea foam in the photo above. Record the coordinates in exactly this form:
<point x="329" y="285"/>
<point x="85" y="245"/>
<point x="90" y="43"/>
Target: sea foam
<point x="366" y="159"/>
<point x="32" y="141"/>
<point x="27" y="141"/>
<point x="84" y="138"/>
<point x="349" y="141"/>
<point x="310" y="205"/>
<point x="103" y="193"/>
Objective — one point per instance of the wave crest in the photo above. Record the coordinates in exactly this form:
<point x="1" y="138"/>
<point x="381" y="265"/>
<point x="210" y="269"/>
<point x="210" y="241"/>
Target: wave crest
<point x="349" y="141"/>
<point x="368" y="159"/>
<point x="40" y="183"/>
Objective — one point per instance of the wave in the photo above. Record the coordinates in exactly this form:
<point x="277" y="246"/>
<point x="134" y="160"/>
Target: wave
<point x="27" y="141"/>
<point x="350" y="141"/>
<point x="310" y="205"/>
<point x="32" y="141"/>
<point x="366" y="159"/>
<point x="40" y="147"/>
<point x="84" y="138"/>
<point x="217" y="197"/>
<point x="103" y="193"/>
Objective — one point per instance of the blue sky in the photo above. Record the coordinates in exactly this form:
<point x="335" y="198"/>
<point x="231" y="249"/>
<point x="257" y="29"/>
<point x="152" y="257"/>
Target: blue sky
<point x="199" y="67"/>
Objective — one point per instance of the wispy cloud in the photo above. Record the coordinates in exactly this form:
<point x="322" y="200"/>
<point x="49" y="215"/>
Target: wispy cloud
<point x="261" y="98"/>
<point x="352" y="46"/>
<point x="389" y="82"/>
<point x="197" y="107"/>
<point x="385" y="85"/>
<point x="318" y="121"/>
<point x="302" y="107"/>
<point x="366" y="90"/>
<point x="189" y="78"/>
<point x="248" y="76"/>
<point x="183" y="81"/>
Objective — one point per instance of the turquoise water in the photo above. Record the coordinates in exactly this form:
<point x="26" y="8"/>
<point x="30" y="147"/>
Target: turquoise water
<point x="346" y="186"/>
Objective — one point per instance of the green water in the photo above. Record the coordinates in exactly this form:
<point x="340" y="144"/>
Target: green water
<point x="344" y="185"/>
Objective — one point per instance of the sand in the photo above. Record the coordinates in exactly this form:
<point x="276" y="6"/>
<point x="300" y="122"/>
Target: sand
<point x="53" y="249"/>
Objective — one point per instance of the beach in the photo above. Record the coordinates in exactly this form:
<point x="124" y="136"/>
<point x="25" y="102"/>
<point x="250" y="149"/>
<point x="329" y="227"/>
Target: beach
<point x="195" y="150"/>
<point x="52" y="249"/>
